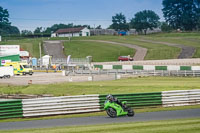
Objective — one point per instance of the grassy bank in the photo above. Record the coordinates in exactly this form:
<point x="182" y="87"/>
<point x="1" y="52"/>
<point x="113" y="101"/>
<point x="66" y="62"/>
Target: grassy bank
<point x="99" y="51"/>
<point x="109" y="52"/>
<point x="130" y="85"/>
<point x="155" y="51"/>
<point x="164" y="126"/>
<point x="187" y="39"/>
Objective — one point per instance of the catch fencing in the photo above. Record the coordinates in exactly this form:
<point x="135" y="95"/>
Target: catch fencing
<point x="181" y="73"/>
<point x="93" y="103"/>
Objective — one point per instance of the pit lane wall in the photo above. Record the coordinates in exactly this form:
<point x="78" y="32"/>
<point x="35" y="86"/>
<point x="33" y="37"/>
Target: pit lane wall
<point x="146" y="67"/>
<point x="37" y="107"/>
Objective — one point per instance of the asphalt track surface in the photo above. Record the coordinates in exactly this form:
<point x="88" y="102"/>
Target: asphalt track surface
<point x="149" y="116"/>
<point x="54" y="49"/>
<point x="186" y="51"/>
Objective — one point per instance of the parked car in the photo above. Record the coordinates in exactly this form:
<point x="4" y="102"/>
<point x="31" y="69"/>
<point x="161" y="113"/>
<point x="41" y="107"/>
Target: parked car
<point x="125" y="58"/>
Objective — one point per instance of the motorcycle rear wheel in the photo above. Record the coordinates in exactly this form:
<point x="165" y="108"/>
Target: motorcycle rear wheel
<point x="111" y="112"/>
<point x="131" y="112"/>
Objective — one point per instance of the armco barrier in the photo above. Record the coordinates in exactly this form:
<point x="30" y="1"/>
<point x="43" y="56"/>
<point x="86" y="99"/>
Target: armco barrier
<point x="11" y="109"/>
<point x="60" y="105"/>
<point x="93" y="103"/>
<point x="180" y="98"/>
<point x="137" y="99"/>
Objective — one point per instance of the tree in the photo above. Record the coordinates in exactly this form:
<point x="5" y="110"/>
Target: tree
<point x="55" y="27"/>
<point x="165" y="27"/>
<point x="98" y="27"/>
<point x="26" y="32"/>
<point x="13" y="30"/>
<point x="5" y="25"/>
<point x="144" y="20"/>
<point x="197" y="3"/>
<point x="4" y="15"/>
<point x="38" y="30"/>
<point x="119" y="22"/>
<point x="181" y="14"/>
<point x="4" y="22"/>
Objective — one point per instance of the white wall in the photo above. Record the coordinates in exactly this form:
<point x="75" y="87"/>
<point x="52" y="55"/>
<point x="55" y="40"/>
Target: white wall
<point x="53" y="35"/>
<point x="195" y="68"/>
<point x="107" y="67"/>
<point x="69" y="35"/>
<point x="127" y="67"/>
<point x="148" y="67"/>
<point x="171" y="67"/>
<point x="85" y="31"/>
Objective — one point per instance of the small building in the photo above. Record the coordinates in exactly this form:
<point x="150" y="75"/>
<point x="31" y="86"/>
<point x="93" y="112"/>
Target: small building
<point x="72" y="32"/>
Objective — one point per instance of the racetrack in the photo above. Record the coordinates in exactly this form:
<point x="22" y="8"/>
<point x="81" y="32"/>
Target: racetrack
<point x="186" y="51"/>
<point x="54" y="49"/>
<point x="164" y="115"/>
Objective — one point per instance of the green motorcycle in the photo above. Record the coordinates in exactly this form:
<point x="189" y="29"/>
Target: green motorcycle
<point x="113" y="109"/>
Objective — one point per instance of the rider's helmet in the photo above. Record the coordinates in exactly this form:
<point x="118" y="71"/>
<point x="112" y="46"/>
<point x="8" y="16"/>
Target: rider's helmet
<point x="109" y="97"/>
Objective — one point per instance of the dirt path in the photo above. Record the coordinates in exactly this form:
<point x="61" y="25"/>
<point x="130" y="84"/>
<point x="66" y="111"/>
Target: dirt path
<point x="186" y="51"/>
<point x="140" y="52"/>
<point x="54" y="48"/>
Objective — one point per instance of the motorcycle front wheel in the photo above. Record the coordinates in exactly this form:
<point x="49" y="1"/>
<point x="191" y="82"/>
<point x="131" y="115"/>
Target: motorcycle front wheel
<point x="131" y="112"/>
<point x="111" y="112"/>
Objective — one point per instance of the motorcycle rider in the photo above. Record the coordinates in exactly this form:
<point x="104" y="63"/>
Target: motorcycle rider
<point x="113" y="99"/>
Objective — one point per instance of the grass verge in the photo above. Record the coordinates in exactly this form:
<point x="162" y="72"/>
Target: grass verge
<point x="165" y="126"/>
<point x="122" y="86"/>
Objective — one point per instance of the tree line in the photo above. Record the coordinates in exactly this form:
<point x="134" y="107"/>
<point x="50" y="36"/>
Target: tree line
<point x="179" y="14"/>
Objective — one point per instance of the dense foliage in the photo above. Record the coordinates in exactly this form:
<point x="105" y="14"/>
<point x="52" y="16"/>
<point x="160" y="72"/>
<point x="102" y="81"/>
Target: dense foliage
<point x="182" y="14"/>
<point x="5" y="25"/>
<point x="119" y="22"/>
<point x="144" y="20"/>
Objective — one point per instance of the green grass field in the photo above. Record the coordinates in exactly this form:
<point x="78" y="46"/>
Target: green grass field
<point x="155" y="51"/>
<point x="164" y="126"/>
<point x="108" y="52"/>
<point x="99" y="51"/>
<point x="187" y="39"/>
<point x="130" y="85"/>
